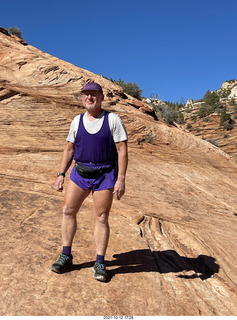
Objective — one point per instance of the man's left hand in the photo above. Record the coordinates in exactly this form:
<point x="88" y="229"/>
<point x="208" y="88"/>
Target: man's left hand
<point x="119" y="189"/>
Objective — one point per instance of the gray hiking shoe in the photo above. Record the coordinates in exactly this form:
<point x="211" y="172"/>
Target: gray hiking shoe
<point x="100" y="273"/>
<point x="63" y="264"/>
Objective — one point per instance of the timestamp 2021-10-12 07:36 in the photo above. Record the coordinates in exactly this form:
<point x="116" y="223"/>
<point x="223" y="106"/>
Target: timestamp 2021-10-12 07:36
<point x="118" y="317"/>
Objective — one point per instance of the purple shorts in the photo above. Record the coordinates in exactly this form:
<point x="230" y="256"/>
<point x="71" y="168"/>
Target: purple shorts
<point x="102" y="182"/>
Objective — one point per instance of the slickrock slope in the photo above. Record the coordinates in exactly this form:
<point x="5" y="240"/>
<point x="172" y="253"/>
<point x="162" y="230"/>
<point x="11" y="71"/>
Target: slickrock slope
<point x="173" y="235"/>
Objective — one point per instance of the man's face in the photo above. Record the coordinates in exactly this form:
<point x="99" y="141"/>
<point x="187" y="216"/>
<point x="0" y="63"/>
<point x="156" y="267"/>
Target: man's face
<point x="92" y="99"/>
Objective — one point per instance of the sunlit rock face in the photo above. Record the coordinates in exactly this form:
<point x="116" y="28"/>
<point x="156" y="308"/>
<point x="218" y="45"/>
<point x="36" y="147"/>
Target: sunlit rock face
<point x="172" y="247"/>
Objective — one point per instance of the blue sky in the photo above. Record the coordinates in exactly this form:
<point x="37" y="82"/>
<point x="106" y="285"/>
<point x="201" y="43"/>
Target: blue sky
<point x="170" y="48"/>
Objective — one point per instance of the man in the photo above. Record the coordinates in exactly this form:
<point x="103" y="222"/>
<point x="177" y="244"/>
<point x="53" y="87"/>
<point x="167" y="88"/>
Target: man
<point x="97" y="141"/>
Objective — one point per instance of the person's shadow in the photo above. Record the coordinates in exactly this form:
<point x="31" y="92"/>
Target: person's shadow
<point x="168" y="261"/>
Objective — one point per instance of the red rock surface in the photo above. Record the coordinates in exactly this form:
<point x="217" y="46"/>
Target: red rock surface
<point x="208" y="127"/>
<point x="173" y="235"/>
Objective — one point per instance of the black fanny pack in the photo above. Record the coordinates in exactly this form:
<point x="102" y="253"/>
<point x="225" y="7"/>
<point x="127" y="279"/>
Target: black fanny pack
<point x="90" y="173"/>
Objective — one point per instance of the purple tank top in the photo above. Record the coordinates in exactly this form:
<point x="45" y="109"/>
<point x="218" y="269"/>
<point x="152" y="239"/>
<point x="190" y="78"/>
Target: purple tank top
<point x="98" y="148"/>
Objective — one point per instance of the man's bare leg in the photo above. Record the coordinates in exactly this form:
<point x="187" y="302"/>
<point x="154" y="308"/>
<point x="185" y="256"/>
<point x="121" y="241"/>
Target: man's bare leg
<point x="102" y="205"/>
<point x="73" y="200"/>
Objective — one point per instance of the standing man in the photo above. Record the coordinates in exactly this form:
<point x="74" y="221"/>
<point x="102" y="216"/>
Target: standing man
<point x="97" y="141"/>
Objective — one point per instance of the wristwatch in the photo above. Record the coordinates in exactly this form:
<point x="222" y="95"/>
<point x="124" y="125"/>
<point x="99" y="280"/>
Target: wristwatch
<point x="60" y="174"/>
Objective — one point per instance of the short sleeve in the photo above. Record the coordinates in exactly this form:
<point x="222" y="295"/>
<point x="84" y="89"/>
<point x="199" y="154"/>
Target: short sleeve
<point x="73" y="130"/>
<point x="117" y="128"/>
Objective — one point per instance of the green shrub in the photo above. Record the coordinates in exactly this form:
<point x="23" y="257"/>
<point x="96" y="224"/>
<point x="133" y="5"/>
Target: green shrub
<point x="189" y="126"/>
<point x="225" y="117"/>
<point x="180" y="118"/>
<point x="15" y="31"/>
<point x="203" y="111"/>
<point x="214" y="142"/>
<point x="130" y="88"/>
<point x="226" y="121"/>
<point x="229" y="125"/>
<point x="166" y="113"/>
<point x="233" y="103"/>
<point x="207" y="119"/>
<point x="211" y="98"/>
<point x="169" y="115"/>
<point x="211" y="103"/>
<point x="171" y="112"/>
<point x="149" y="138"/>
<point x="193" y="118"/>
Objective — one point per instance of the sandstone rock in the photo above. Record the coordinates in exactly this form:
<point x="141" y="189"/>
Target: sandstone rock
<point x="233" y="93"/>
<point x="140" y="105"/>
<point x="189" y="103"/>
<point x="173" y="234"/>
<point x="2" y="30"/>
<point x="229" y="84"/>
<point x="19" y="40"/>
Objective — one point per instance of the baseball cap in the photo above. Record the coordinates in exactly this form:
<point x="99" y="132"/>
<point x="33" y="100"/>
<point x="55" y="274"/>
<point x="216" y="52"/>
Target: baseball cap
<point x="92" y="86"/>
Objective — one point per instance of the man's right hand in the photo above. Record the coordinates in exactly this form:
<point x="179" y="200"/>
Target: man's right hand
<point x="59" y="183"/>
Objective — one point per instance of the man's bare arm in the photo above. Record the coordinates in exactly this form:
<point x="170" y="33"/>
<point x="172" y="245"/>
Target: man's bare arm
<point x="66" y="161"/>
<point x="119" y="188"/>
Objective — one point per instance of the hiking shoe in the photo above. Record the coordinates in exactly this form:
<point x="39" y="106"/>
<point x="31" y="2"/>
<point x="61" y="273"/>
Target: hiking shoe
<point x="63" y="264"/>
<point x="100" y="273"/>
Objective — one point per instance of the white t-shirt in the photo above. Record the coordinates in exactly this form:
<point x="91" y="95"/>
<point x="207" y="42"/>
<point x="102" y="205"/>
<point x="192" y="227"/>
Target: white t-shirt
<point x="117" y="128"/>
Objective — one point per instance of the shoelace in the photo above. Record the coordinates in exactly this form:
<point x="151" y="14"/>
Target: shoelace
<point x="63" y="258"/>
<point x="100" y="266"/>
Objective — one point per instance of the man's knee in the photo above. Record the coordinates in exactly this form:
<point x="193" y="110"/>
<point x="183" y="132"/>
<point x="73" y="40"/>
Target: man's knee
<point x="102" y="217"/>
<point x="69" y="211"/>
